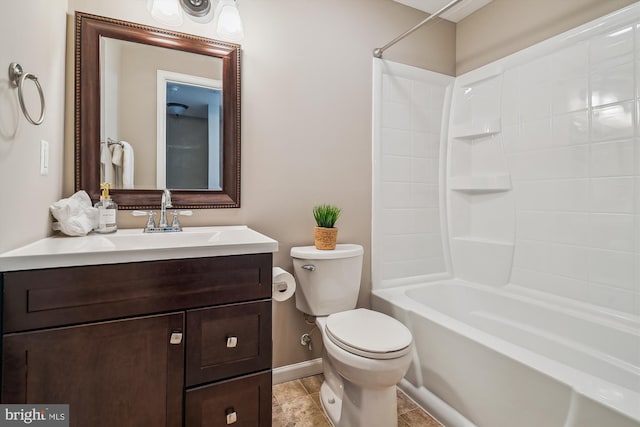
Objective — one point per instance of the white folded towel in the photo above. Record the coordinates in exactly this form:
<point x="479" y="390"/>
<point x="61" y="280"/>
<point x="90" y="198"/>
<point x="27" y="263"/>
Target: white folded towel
<point x="116" y="159"/>
<point x="106" y="164"/>
<point x="127" y="165"/>
<point x="116" y="154"/>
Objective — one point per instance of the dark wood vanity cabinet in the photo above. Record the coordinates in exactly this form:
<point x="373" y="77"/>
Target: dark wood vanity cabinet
<point x="160" y="343"/>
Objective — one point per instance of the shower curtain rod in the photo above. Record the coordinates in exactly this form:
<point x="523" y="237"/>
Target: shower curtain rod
<point x="379" y="51"/>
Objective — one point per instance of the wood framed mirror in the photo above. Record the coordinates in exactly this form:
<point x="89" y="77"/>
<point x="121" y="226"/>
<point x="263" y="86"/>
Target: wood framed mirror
<point x="91" y="36"/>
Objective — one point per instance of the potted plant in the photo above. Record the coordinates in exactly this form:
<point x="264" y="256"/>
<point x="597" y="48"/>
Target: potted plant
<point x="325" y="232"/>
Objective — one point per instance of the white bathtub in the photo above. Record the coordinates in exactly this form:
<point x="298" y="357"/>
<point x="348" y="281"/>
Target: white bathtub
<point x="506" y="358"/>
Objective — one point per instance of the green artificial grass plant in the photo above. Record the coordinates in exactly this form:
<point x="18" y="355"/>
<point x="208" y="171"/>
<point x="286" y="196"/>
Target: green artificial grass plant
<point x="326" y="215"/>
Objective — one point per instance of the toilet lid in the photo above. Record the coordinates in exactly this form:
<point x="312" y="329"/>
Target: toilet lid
<point x="369" y="334"/>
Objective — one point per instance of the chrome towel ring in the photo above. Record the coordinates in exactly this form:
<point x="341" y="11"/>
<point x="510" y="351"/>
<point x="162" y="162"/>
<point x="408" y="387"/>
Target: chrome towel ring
<point x="17" y="78"/>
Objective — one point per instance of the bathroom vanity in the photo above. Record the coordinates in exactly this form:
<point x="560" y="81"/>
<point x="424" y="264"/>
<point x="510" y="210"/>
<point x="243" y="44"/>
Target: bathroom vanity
<point x="152" y="338"/>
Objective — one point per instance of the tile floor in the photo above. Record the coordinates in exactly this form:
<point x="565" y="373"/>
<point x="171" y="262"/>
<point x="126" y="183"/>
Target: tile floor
<point x="297" y="404"/>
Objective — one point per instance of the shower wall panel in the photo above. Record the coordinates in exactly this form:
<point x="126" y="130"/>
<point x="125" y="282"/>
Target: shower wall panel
<point x="409" y="104"/>
<point x="564" y="131"/>
<point x="537" y="186"/>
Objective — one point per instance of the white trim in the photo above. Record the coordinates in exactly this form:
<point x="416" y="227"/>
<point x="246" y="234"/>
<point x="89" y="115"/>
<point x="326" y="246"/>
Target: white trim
<point x="297" y="370"/>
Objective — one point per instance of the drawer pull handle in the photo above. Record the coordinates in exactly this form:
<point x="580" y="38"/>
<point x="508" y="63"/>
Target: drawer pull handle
<point x="176" y="338"/>
<point x="232" y="342"/>
<point x="232" y="417"/>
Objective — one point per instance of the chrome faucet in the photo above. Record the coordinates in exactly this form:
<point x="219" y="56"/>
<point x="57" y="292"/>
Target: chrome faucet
<point x="163" y="224"/>
<point x="166" y="203"/>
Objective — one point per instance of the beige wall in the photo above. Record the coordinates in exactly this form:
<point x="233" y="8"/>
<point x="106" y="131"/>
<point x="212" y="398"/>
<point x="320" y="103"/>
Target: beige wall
<point x="507" y="26"/>
<point x="306" y="121"/>
<point x="25" y="195"/>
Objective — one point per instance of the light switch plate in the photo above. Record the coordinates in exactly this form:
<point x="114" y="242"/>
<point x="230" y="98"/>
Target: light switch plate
<point x="44" y="157"/>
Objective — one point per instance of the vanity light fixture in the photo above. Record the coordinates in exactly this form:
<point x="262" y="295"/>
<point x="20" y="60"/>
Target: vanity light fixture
<point x="198" y="10"/>
<point x="227" y="17"/>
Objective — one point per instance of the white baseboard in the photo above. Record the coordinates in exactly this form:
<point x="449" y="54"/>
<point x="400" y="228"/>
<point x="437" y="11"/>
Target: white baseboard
<point x="297" y="370"/>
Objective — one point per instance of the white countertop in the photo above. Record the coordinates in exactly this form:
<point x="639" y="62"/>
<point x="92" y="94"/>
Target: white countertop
<point x="132" y="245"/>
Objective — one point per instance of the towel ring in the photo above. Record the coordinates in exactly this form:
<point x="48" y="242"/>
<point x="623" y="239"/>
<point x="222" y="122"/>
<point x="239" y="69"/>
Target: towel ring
<point x="17" y="78"/>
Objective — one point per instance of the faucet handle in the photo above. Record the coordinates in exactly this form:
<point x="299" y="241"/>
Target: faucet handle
<point x="150" y="222"/>
<point x="175" y="223"/>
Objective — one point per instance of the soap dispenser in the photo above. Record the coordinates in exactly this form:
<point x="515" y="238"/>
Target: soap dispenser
<point x="107" y="209"/>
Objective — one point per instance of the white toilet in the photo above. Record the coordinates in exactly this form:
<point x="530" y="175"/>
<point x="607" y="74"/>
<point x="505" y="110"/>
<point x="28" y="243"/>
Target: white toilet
<point x="366" y="353"/>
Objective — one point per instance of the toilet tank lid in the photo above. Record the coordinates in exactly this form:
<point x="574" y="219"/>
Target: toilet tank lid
<point x="342" y="250"/>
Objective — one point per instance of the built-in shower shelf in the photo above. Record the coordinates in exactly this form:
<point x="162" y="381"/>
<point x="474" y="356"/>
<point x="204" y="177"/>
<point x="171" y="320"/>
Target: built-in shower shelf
<point x="483" y="240"/>
<point x="480" y="182"/>
<point x="476" y="130"/>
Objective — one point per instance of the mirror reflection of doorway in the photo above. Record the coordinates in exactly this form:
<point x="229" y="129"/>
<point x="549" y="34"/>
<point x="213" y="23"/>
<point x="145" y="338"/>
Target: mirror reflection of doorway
<point x="191" y="126"/>
<point x="192" y="134"/>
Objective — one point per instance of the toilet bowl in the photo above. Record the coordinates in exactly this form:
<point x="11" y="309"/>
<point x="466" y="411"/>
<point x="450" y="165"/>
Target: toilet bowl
<point x="359" y="389"/>
<point x="366" y="353"/>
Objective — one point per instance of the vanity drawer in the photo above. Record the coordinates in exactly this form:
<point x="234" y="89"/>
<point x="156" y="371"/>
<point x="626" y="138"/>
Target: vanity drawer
<point x="248" y="399"/>
<point x="63" y="296"/>
<point x="228" y="340"/>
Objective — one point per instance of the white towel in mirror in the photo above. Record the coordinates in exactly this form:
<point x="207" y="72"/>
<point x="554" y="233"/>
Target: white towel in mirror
<point x="127" y="165"/>
<point x="116" y="159"/>
<point x="107" y="171"/>
<point x="122" y="161"/>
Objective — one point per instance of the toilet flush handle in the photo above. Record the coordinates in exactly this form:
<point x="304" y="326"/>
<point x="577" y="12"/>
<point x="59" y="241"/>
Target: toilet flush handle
<point x="309" y="267"/>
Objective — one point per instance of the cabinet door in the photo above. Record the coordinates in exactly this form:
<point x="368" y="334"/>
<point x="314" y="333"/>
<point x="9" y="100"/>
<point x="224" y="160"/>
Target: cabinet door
<point x="119" y="373"/>
<point x="241" y="402"/>
<point x="226" y="341"/>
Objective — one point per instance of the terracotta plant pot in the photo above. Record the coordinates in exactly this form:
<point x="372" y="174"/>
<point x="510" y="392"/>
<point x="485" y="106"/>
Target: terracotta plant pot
<point x="325" y="238"/>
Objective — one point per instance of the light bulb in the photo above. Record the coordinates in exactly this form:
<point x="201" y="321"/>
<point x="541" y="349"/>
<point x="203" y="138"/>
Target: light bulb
<point x="229" y="25"/>
<point x="166" y="12"/>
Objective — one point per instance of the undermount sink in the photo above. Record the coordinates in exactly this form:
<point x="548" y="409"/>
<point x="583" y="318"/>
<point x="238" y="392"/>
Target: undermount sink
<point x="132" y="245"/>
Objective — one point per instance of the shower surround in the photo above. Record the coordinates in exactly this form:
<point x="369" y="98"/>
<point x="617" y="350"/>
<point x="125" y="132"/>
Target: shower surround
<point x="506" y="229"/>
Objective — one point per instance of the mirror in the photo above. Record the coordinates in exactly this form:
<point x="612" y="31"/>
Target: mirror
<point x="151" y="93"/>
<point x="172" y="98"/>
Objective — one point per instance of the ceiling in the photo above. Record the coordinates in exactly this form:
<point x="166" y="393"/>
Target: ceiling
<point x="455" y="14"/>
<point x="198" y="99"/>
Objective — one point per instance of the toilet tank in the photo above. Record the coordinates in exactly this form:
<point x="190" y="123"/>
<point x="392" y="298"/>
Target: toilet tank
<point x="328" y="280"/>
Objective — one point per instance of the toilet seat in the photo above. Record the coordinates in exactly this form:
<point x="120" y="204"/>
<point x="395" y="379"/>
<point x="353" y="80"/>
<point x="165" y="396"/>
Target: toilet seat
<point x="369" y="334"/>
